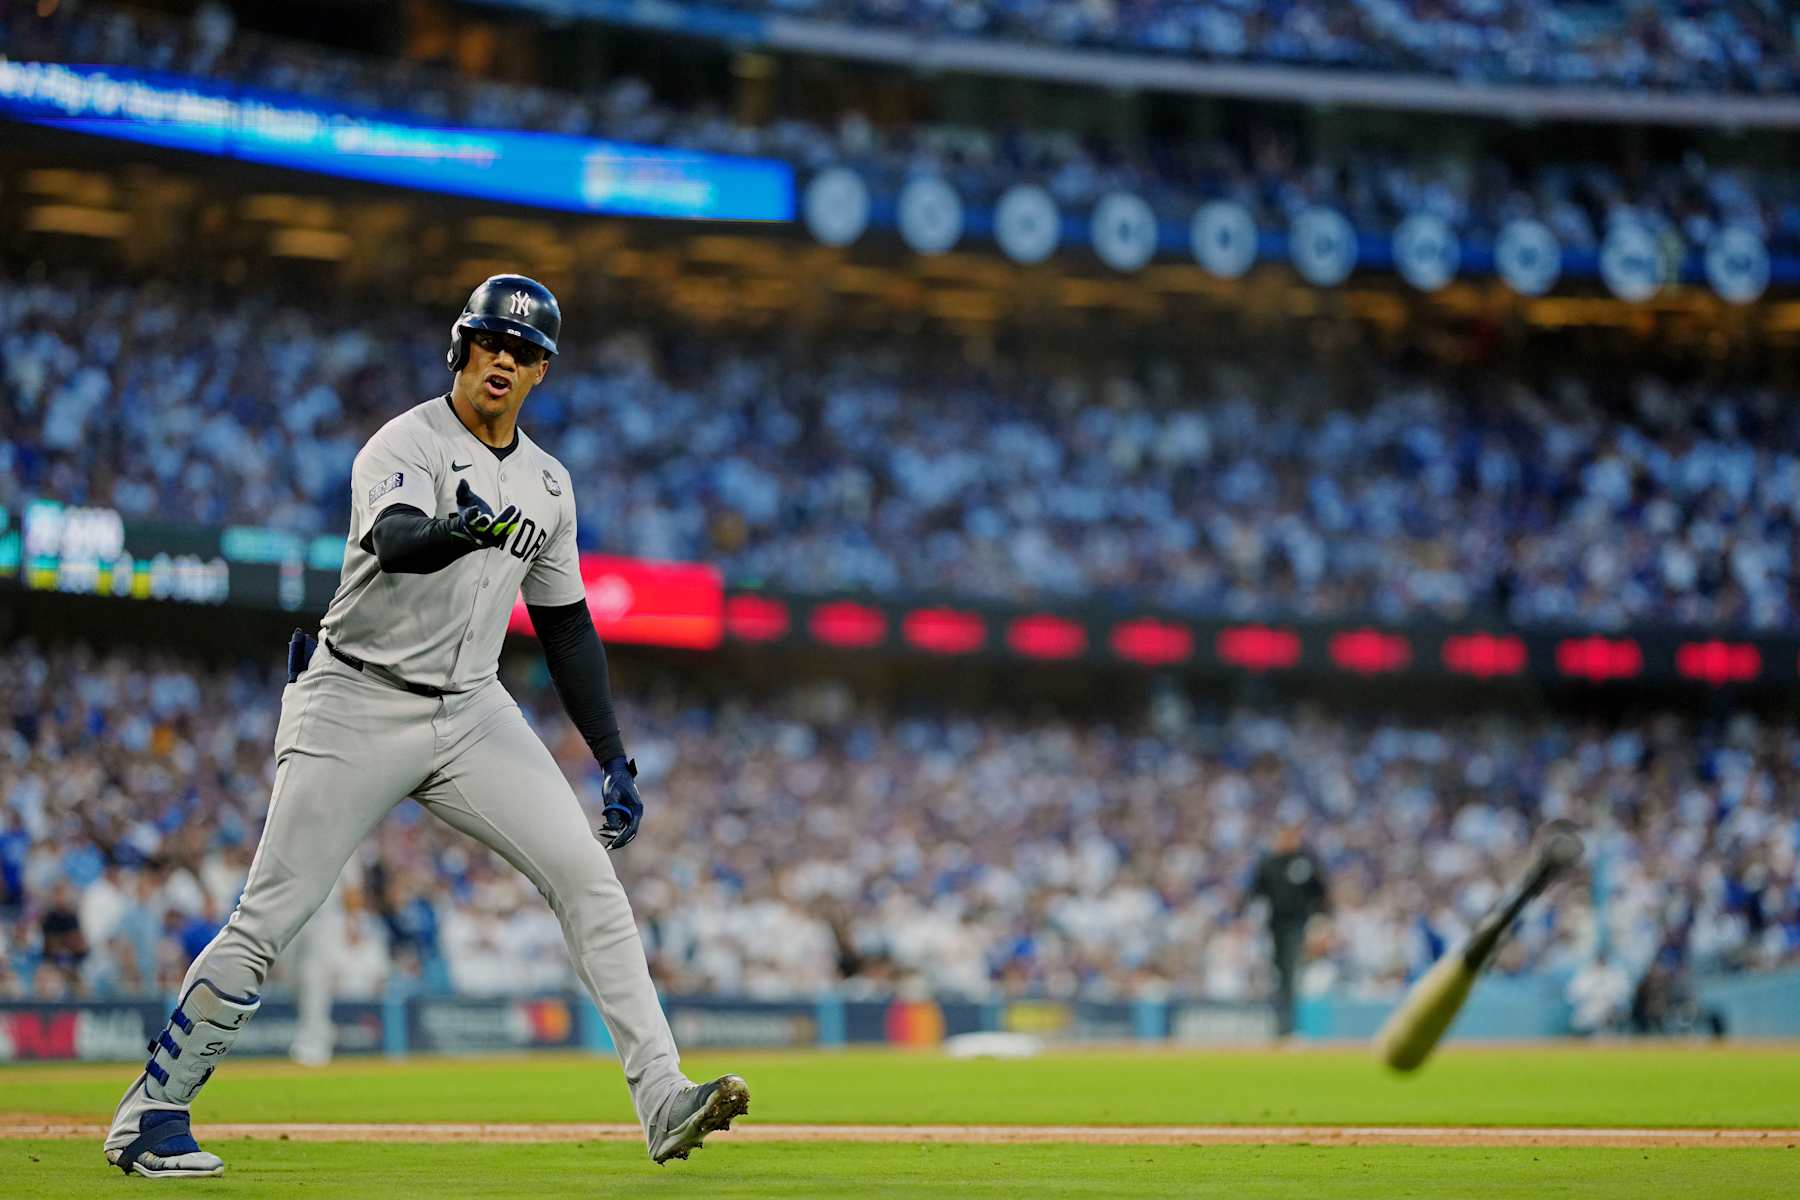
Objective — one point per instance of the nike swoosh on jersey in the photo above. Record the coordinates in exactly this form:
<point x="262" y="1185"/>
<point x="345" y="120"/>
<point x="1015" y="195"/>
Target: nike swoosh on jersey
<point x="456" y="466"/>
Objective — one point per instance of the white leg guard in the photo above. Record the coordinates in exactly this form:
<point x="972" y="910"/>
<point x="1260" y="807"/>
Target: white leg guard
<point x="149" y="1133"/>
<point x="200" y="1030"/>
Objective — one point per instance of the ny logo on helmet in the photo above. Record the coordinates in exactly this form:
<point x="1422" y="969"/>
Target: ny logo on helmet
<point x="521" y="304"/>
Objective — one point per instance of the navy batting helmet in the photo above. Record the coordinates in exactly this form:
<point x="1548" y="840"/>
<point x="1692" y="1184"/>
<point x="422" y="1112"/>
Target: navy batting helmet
<point x="507" y="304"/>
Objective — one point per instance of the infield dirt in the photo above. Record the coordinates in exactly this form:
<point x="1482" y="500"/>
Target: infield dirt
<point x="25" y="1126"/>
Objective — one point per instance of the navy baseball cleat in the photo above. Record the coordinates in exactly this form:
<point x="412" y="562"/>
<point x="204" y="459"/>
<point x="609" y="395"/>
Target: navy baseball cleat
<point x="165" y="1149"/>
<point x="693" y="1112"/>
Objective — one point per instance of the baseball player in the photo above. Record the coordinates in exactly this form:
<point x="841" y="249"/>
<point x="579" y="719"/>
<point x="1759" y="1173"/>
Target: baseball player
<point x="455" y="511"/>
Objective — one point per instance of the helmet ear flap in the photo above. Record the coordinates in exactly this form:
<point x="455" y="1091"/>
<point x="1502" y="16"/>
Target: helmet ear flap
<point x="459" y="348"/>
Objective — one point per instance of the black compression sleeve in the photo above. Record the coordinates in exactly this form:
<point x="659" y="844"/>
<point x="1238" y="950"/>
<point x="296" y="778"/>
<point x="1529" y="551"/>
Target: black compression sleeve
<point x="410" y="543"/>
<point x="577" y="664"/>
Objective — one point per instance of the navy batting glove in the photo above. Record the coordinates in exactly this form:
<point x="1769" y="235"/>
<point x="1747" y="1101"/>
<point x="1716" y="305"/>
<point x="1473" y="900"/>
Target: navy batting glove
<point x="619" y="818"/>
<point x="475" y="520"/>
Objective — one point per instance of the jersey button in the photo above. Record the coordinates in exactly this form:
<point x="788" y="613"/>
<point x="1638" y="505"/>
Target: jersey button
<point x="484" y="583"/>
<point x="469" y="637"/>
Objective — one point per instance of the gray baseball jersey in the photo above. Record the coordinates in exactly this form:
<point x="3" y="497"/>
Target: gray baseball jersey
<point x="445" y="629"/>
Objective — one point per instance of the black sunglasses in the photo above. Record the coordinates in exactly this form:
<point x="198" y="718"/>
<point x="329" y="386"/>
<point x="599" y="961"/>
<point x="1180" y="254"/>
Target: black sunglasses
<point x="525" y="353"/>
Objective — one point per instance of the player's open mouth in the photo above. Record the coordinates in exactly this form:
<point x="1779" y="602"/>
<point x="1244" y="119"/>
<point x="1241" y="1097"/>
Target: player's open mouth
<point x="497" y="384"/>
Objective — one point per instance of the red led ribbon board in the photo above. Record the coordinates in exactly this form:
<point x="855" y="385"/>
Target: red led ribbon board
<point x="1485" y="655"/>
<point x="650" y="603"/>
<point x="1258" y="648"/>
<point x="756" y="618"/>
<point x="1047" y="637"/>
<point x="1370" y="652"/>
<point x="1599" y="659"/>
<point x="684" y="605"/>
<point x="944" y="631"/>
<point x="848" y="624"/>
<point x="1718" y="662"/>
<point x="1152" y="643"/>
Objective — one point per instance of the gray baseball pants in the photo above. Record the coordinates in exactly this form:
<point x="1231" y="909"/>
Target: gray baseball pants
<point x="348" y="749"/>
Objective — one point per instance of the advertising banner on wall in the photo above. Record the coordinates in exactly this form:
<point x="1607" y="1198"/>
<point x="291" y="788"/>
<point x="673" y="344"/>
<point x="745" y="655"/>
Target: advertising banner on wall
<point x="101" y="1031"/>
<point x="912" y="1022"/>
<point x="472" y="1026"/>
<point x="708" y="1021"/>
<point x="1220" y="1022"/>
<point x="1058" y="1020"/>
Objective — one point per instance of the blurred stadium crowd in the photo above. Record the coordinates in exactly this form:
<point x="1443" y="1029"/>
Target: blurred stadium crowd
<point x="1241" y="487"/>
<point x="1685" y="200"/>
<point x="809" y="841"/>
<point x="1738" y="45"/>
<point x="1676" y="45"/>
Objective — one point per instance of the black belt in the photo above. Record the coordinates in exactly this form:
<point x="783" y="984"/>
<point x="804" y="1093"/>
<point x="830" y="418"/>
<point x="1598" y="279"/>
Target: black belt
<point x="385" y="675"/>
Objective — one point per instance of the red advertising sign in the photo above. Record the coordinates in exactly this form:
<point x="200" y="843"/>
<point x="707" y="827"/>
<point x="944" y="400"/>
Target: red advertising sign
<point x="49" y="1034"/>
<point x="653" y="603"/>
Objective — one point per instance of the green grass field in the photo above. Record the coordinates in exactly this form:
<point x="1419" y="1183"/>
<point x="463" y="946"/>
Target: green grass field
<point x="1668" y="1086"/>
<point x="263" y="1169"/>
<point x="1634" y="1087"/>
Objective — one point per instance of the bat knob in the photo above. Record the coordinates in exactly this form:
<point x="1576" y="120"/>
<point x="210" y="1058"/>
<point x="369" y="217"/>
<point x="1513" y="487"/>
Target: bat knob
<point x="1562" y="845"/>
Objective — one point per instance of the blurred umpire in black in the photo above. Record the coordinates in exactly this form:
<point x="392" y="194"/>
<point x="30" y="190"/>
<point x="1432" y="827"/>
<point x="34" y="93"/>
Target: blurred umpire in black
<point x="1292" y="881"/>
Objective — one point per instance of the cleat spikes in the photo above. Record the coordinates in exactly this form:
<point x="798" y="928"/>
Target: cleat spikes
<point x="696" y="1112"/>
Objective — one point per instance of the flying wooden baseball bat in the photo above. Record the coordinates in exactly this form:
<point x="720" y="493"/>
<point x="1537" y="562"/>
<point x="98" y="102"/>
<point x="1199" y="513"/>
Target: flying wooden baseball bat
<point x="1412" y="1031"/>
